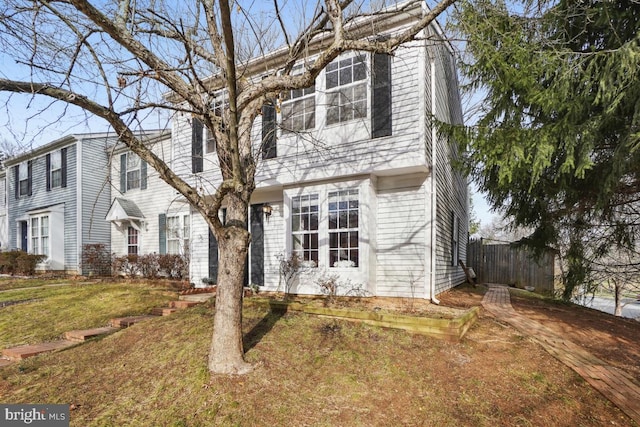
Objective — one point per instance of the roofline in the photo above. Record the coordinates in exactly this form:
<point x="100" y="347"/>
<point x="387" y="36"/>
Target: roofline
<point x="272" y="60"/>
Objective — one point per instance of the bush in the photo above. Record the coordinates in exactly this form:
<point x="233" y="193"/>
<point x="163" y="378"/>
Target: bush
<point x="127" y="265"/>
<point x="19" y="262"/>
<point x="96" y="260"/>
<point x="174" y="266"/>
<point x="149" y="266"/>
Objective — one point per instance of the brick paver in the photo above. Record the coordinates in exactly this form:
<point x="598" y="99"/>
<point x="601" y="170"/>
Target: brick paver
<point x="615" y="384"/>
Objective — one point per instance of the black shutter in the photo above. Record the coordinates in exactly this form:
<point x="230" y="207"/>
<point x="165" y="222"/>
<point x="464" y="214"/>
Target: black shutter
<point x="269" y="127"/>
<point x="30" y="175"/>
<point x="162" y="234"/>
<point x="196" y="146"/>
<point x="381" y="99"/>
<point x="16" y="176"/>
<point x="213" y="258"/>
<point x="257" y="244"/>
<point x="123" y="173"/>
<point x="63" y="161"/>
<point x="143" y="175"/>
<point x="48" y="178"/>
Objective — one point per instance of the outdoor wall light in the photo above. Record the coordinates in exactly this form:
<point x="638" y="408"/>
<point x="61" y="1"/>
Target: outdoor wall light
<point x="266" y="209"/>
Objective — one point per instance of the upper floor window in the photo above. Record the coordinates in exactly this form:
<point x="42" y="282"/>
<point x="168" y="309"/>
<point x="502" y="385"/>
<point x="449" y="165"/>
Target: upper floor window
<point x="23" y="180"/>
<point x="133" y="171"/>
<point x="304" y="227"/>
<point x="343" y="228"/>
<point x="299" y="109"/>
<point x="346" y="89"/>
<point x="56" y="169"/>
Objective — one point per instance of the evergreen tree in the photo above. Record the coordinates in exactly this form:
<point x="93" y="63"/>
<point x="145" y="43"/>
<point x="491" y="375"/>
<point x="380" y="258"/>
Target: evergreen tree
<point x="557" y="145"/>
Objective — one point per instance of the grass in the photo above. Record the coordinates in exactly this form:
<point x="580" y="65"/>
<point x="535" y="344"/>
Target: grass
<point x="12" y="282"/>
<point x="47" y="312"/>
<point x="308" y="370"/>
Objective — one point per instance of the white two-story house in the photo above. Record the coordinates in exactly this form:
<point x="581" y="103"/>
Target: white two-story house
<point x="353" y="177"/>
<point x="146" y="216"/>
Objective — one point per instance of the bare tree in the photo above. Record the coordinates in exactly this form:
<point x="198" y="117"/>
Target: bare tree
<point x="120" y="60"/>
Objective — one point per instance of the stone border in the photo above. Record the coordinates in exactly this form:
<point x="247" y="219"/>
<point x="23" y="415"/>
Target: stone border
<point x="447" y="329"/>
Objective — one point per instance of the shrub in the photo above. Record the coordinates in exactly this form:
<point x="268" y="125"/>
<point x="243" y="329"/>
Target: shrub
<point x="149" y="265"/>
<point x="19" y="262"/>
<point x="127" y="265"/>
<point x="174" y="266"/>
<point x="96" y="260"/>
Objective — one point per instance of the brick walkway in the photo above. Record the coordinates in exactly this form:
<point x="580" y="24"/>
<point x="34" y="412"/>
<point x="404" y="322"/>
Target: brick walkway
<point x="615" y="384"/>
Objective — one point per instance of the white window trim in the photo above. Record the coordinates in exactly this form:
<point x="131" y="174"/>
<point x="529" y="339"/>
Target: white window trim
<point x="131" y="155"/>
<point x="56" y="157"/>
<point x="338" y="89"/>
<point x="39" y="237"/>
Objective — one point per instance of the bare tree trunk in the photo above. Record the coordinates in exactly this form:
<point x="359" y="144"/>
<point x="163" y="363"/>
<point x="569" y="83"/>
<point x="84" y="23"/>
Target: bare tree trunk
<point x="226" y="355"/>
<point x="618" y="290"/>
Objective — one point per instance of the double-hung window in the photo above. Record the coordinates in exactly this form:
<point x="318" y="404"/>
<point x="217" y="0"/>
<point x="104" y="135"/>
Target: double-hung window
<point x="40" y="235"/>
<point x="133" y="241"/>
<point x="304" y="227"/>
<point x="133" y="171"/>
<point x="299" y="109"/>
<point x="219" y="105"/>
<point x="346" y="84"/>
<point x="56" y="169"/>
<point x="23" y="179"/>
<point x="343" y="228"/>
<point x="178" y="232"/>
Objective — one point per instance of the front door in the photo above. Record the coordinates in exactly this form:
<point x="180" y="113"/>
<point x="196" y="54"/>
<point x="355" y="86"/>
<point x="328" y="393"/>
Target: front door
<point x="24" y="229"/>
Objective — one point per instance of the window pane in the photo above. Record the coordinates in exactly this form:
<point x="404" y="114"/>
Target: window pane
<point x="332" y="79"/>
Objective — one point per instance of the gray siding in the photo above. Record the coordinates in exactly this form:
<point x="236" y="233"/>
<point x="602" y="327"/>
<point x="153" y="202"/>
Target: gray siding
<point x="95" y="192"/>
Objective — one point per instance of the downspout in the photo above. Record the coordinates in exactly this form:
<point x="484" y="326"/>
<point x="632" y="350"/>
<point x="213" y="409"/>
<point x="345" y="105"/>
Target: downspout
<point x="434" y="207"/>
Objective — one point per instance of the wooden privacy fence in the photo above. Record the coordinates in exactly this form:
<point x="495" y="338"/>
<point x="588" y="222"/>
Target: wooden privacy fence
<point x="512" y="264"/>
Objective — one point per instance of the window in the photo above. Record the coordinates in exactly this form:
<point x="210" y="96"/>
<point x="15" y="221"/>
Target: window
<point x="56" y="169"/>
<point x="40" y="235"/>
<point x="304" y="227"/>
<point x="133" y="171"/>
<point x="178" y="232"/>
<point x="347" y="89"/>
<point x="299" y="109"/>
<point x="23" y="179"/>
<point x="343" y="228"/>
<point x="133" y="241"/>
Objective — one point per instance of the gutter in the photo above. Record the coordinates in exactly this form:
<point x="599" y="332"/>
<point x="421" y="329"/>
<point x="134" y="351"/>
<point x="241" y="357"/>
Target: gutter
<point x="434" y="207"/>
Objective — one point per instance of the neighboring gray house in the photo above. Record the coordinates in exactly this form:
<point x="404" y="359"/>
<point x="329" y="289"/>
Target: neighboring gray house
<point x="352" y="176"/>
<point x="58" y="195"/>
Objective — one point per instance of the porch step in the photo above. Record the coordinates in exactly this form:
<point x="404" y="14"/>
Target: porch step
<point x="197" y="297"/>
<point x="163" y="311"/>
<point x="183" y="304"/>
<point x="83" y="335"/>
<point x="125" y="322"/>
<point x="24" y="351"/>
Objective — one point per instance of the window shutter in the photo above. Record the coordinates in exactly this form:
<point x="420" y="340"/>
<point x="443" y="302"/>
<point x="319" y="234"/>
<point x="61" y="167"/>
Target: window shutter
<point x="162" y="234"/>
<point x="196" y="146"/>
<point x="269" y="127"/>
<point x="48" y="178"/>
<point x="29" y="176"/>
<point x="381" y="96"/>
<point x="143" y="175"/>
<point x="257" y="245"/>
<point x="63" y="158"/>
<point x="213" y="258"/>
<point x="16" y="176"/>
<point x="123" y="173"/>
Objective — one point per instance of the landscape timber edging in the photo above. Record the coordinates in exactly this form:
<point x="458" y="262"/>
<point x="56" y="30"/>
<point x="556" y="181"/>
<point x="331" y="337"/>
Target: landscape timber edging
<point x="447" y="329"/>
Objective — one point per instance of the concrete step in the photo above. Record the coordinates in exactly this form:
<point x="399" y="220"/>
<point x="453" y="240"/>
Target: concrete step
<point x="163" y="311"/>
<point x="183" y="304"/>
<point x="24" y="351"/>
<point x="125" y="322"/>
<point x="197" y="297"/>
<point x="83" y="335"/>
